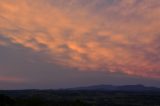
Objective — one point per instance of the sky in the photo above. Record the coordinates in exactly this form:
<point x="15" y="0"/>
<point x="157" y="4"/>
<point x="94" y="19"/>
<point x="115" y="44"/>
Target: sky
<point x="50" y="44"/>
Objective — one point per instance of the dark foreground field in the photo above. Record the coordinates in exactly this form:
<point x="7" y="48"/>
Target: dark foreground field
<point x="78" y="98"/>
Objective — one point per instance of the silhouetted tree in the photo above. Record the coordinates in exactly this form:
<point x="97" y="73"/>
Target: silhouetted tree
<point x="6" y="101"/>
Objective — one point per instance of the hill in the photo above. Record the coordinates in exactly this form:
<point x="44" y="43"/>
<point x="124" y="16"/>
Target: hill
<point x="135" y="88"/>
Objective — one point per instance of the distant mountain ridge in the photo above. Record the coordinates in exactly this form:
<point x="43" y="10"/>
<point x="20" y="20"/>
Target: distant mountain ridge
<point x="138" y="87"/>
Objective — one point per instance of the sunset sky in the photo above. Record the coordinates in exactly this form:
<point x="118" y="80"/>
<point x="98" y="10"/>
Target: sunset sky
<point x="68" y="43"/>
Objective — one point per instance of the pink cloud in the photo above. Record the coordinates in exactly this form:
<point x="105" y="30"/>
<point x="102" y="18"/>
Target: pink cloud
<point x="11" y="79"/>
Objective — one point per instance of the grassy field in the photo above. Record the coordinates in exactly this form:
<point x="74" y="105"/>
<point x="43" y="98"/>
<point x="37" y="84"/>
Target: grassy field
<point x="78" y="98"/>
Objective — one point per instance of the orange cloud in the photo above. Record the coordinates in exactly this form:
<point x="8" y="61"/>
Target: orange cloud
<point x="120" y="37"/>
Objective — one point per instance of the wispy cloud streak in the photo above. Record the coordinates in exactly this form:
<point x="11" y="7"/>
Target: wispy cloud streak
<point x="11" y="79"/>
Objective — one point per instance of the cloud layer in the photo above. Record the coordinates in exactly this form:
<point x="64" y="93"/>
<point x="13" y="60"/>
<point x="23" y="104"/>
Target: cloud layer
<point x="108" y="35"/>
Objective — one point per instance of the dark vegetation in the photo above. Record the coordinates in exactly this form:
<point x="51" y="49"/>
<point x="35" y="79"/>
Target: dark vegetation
<point x="78" y="98"/>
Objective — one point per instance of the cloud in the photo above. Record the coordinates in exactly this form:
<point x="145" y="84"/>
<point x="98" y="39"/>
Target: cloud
<point x="10" y="79"/>
<point x="107" y="35"/>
